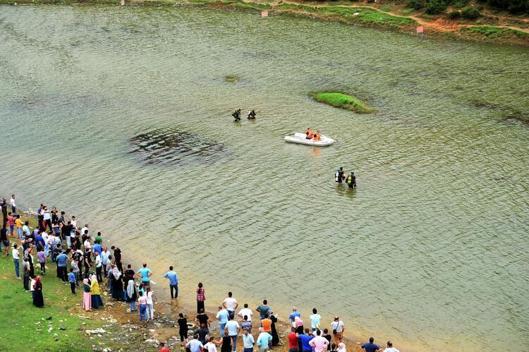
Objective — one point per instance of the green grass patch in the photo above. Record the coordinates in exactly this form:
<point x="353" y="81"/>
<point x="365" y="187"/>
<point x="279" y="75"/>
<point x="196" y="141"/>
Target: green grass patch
<point x="353" y="14"/>
<point x="343" y="101"/>
<point x="495" y="32"/>
<point x="25" y="325"/>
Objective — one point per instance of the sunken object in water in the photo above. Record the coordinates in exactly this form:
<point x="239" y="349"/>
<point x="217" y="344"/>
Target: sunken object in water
<point x="172" y="146"/>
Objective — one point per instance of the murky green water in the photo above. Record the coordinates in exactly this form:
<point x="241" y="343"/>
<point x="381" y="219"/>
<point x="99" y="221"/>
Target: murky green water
<point x="430" y="251"/>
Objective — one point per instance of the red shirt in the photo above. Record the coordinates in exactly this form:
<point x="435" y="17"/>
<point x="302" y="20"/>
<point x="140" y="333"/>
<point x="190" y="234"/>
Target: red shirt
<point x="165" y="349"/>
<point x="292" y="340"/>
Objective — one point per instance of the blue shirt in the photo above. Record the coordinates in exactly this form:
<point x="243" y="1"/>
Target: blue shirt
<point x="305" y="339"/>
<point x="293" y="315"/>
<point x="144" y="272"/>
<point x="173" y="278"/>
<point x="71" y="277"/>
<point x="97" y="248"/>
<point x="370" y="347"/>
<point x="222" y="316"/>
<point x="62" y="259"/>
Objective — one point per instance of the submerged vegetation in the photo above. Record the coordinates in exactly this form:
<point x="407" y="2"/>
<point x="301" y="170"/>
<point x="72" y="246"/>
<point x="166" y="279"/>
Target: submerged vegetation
<point x="232" y="78"/>
<point x="343" y="101"/>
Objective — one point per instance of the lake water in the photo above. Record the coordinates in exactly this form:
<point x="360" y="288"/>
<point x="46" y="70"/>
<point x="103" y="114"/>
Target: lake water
<point x="432" y="248"/>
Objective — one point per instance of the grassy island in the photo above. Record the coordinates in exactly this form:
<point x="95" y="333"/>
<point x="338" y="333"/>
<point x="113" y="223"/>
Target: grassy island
<point x="343" y="101"/>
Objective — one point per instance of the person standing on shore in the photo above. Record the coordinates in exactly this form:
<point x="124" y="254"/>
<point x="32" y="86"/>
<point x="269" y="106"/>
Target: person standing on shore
<point x="319" y="343"/>
<point x="304" y="341"/>
<point x="145" y="274"/>
<point x="19" y="225"/>
<point x="245" y="312"/>
<point x="201" y="297"/>
<point x="292" y="338"/>
<point x="338" y="328"/>
<point x="222" y="317"/>
<point x="202" y="318"/>
<point x="62" y="260"/>
<point x="142" y="303"/>
<point x="173" y="282"/>
<point x="72" y="280"/>
<point x="150" y="303"/>
<point x="232" y="329"/>
<point x="247" y="341"/>
<point x="275" y="335"/>
<point x="182" y="327"/>
<point x="315" y="319"/>
<point x="13" y="204"/>
<point x="230" y="304"/>
<point x="87" y="298"/>
<point x="295" y="314"/>
<point x="264" y="340"/>
<point x="263" y="309"/>
<point x="194" y="344"/>
<point x="16" y="260"/>
<point x="132" y="294"/>
<point x="370" y="346"/>
<point x="328" y="337"/>
<point x="11" y="224"/>
<point x="95" y="292"/>
<point x="390" y="347"/>
<point x="38" y="298"/>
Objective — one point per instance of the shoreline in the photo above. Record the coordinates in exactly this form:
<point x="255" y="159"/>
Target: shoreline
<point x="166" y="310"/>
<point x="350" y="13"/>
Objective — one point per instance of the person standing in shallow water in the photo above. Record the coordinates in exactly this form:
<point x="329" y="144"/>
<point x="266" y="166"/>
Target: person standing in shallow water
<point x="173" y="282"/>
<point x="201" y="297"/>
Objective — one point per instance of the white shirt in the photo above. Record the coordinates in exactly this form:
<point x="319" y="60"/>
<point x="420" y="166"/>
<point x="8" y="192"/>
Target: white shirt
<point x="15" y="253"/>
<point x="248" y="341"/>
<point x="12" y="201"/>
<point x="194" y="345"/>
<point x="211" y="347"/>
<point x="46" y="216"/>
<point x="98" y="261"/>
<point x="337" y="325"/>
<point x="391" y="349"/>
<point x="230" y="303"/>
<point x="315" y="321"/>
<point x="149" y="298"/>
<point x="245" y="311"/>
<point x="233" y="327"/>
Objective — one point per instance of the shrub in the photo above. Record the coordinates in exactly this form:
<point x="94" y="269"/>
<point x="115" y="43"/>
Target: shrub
<point x="454" y="15"/>
<point x="470" y="13"/>
<point x="416" y="4"/>
<point x="435" y="7"/>
<point x="460" y="3"/>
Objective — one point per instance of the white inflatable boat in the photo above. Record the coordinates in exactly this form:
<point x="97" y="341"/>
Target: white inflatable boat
<point x="300" y="138"/>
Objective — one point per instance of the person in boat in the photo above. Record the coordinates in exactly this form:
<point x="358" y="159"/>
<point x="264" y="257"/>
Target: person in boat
<point x="237" y="115"/>
<point x="317" y="136"/>
<point x="339" y="176"/>
<point x="251" y="115"/>
<point x="309" y="134"/>
<point x="351" y="180"/>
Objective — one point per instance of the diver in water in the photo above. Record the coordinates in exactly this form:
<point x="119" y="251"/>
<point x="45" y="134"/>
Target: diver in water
<point x="237" y="115"/>
<point x="251" y="115"/>
<point x="339" y="175"/>
<point x="351" y="180"/>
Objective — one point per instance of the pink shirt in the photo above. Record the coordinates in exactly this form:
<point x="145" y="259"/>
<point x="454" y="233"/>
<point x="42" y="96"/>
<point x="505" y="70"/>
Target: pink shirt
<point x="319" y="343"/>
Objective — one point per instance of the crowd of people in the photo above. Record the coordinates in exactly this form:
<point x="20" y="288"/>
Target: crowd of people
<point x="82" y="261"/>
<point x="87" y="265"/>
